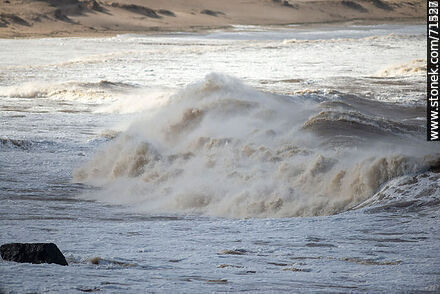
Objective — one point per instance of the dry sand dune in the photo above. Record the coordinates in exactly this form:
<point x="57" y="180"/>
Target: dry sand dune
<point x="30" y="18"/>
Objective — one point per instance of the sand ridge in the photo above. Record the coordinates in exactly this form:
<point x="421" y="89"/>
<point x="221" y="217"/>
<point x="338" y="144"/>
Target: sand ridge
<point x="52" y="18"/>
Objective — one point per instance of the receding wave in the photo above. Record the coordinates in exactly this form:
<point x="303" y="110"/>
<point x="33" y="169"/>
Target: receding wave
<point x="221" y="148"/>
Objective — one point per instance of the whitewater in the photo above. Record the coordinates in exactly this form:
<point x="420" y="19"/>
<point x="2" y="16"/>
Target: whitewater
<point x="259" y="159"/>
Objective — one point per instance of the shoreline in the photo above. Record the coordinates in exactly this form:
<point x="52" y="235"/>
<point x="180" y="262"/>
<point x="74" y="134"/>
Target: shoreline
<point x="89" y="18"/>
<point x="155" y="31"/>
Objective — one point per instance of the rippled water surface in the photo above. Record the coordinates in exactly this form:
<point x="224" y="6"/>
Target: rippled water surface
<point x="254" y="160"/>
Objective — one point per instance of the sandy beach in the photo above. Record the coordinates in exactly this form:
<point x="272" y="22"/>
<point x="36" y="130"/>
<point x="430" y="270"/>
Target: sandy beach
<point x="50" y="18"/>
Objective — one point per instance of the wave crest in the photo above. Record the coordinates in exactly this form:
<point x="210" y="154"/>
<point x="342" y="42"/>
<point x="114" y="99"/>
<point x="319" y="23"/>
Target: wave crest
<point x="221" y="148"/>
<point x="69" y="91"/>
<point x="414" y="67"/>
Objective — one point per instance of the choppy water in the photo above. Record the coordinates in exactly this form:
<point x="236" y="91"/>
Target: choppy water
<point x="257" y="160"/>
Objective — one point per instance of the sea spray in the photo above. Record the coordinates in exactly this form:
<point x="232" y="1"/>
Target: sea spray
<point x="221" y="148"/>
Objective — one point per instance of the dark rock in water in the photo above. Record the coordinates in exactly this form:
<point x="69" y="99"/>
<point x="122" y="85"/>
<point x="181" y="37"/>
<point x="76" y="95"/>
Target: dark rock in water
<point x="32" y="253"/>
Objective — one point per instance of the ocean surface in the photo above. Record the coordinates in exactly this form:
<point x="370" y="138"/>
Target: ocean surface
<point x="255" y="160"/>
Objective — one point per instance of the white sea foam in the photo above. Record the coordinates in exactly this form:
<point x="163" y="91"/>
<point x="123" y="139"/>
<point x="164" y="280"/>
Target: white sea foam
<point x="414" y="67"/>
<point x="370" y="39"/>
<point x="77" y="91"/>
<point x="282" y="154"/>
<point x="219" y="147"/>
<point x="136" y="101"/>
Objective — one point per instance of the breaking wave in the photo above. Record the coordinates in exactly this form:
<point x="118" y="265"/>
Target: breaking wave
<point x="410" y="193"/>
<point x="414" y="67"/>
<point x="92" y="91"/>
<point x="221" y="148"/>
